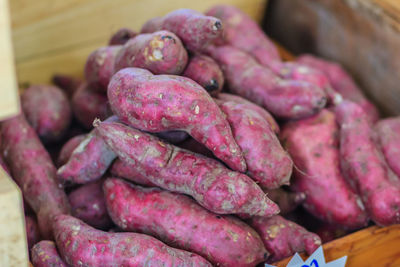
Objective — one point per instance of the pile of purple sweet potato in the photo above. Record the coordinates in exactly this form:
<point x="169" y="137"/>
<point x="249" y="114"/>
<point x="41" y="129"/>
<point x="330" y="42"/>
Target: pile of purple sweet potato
<point x="147" y="162"/>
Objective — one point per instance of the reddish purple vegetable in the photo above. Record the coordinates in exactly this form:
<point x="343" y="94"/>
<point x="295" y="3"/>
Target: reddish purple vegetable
<point x="122" y="36"/>
<point x="287" y="201"/>
<point x="32" y="231"/>
<point x="68" y="148"/>
<point x="45" y="254"/>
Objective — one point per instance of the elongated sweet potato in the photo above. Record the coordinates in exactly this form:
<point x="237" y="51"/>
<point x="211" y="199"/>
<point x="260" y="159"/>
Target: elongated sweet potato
<point x="387" y="133"/>
<point x="156" y="103"/>
<point x="88" y="161"/>
<point x="161" y="53"/>
<point x="45" y="254"/>
<point x="128" y="171"/>
<point x="210" y="183"/>
<point x="173" y="137"/>
<point x="81" y="245"/>
<point x="47" y="110"/>
<point x="283" y="238"/>
<point x="364" y="165"/>
<point x="180" y="222"/>
<point x="32" y="231"/>
<point x="289" y="99"/>
<point x="67" y="83"/>
<point x="287" y="201"/>
<point x="314" y="148"/>
<point x="267" y="162"/>
<point x="34" y="172"/>
<point x="68" y="148"/>
<point x="206" y="72"/>
<point x="99" y="67"/>
<point x="250" y="105"/>
<point x="244" y="33"/>
<point x="122" y="36"/>
<point x="194" y="28"/>
<point x="89" y="204"/>
<point x="87" y="105"/>
<point x="341" y="82"/>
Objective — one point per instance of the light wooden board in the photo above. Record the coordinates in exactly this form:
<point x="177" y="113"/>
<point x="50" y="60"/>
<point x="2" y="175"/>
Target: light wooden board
<point x="9" y="104"/>
<point x="57" y="35"/>
<point x="363" y="35"/>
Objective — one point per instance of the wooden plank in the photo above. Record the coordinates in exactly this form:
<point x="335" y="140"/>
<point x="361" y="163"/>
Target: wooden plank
<point x="363" y="35"/>
<point x="9" y="101"/>
<point x="13" y="248"/>
<point x="47" y="33"/>
<point x="371" y="247"/>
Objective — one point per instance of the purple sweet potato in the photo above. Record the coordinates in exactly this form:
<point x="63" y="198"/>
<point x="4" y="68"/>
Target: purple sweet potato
<point x="194" y="28"/>
<point x="387" y="133"/>
<point x="180" y="222"/>
<point x="122" y="36"/>
<point x="364" y="166"/>
<point x="87" y="105"/>
<point x="68" y="148"/>
<point x="196" y="147"/>
<point x="341" y="82"/>
<point x="206" y="72"/>
<point x="267" y="162"/>
<point x="45" y="254"/>
<point x="210" y="183"/>
<point x="156" y="103"/>
<point x="289" y="99"/>
<point x="313" y="145"/>
<point x="88" y="161"/>
<point x="242" y="32"/>
<point x="32" y="231"/>
<point x="67" y="83"/>
<point x="47" y="110"/>
<point x="126" y="170"/>
<point x="283" y="238"/>
<point x="173" y="137"/>
<point x="99" y="67"/>
<point x="250" y="105"/>
<point x="287" y="201"/>
<point x="34" y="172"/>
<point x="160" y="52"/>
<point x="88" y="204"/>
<point x="81" y="245"/>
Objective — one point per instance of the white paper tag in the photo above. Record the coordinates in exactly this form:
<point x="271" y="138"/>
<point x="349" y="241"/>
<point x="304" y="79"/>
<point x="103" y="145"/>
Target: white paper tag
<point x="317" y="259"/>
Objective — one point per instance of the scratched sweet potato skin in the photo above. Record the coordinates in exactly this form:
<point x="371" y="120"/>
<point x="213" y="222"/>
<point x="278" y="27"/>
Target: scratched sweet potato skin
<point x="196" y="30"/>
<point x="129" y="171"/>
<point x="287" y="201"/>
<point x="161" y="53"/>
<point x="210" y="183"/>
<point x="68" y="148"/>
<point x="313" y="145"/>
<point x="287" y="99"/>
<point x="364" y="166"/>
<point x="32" y="231"/>
<point x="45" y="254"/>
<point x="34" y="172"/>
<point x="156" y="103"/>
<point x="283" y="238"/>
<point x="81" y="245"/>
<point x="267" y="162"/>
<point x="180" y="222"/>
<point x="121" y="36"/>
<point x="47" y="110"/>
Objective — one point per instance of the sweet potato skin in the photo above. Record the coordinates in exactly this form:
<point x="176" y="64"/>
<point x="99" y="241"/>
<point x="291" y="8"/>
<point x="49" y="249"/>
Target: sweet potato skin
<point x="88" y="161"/>
<point x="206" y="72"/>
<point x="267" y="162"/>
<point x="156" y="103"/>
<point x="81" y="245"/>
<point x="88" y="204"/>
<point x="387" y="135"/>
<point x="282" y="238"/>
<point x="313" y="146"/>
<point x="128" y="171"/>
<point x="68" y="148"/>
<point x="196" y="147"/>
<point x="87" y="105"/>
<point x="288" y="99"/>
<point x="67" y="83"/>
<point x="47" y="110"/>
<point x="99" y="67"/>
<point x="161" y="53"/>
<point x="287" y="201"/>
<point x="211" y="184"/>
<point x="45" y="254"/>
<point x="195" y="29"/>
<point x="179" y="221"/>
<point x="122" y="36"/>
<point x="364" y="166"/>
<point x="34" y="172"/>
<point x="32" y="231"/>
